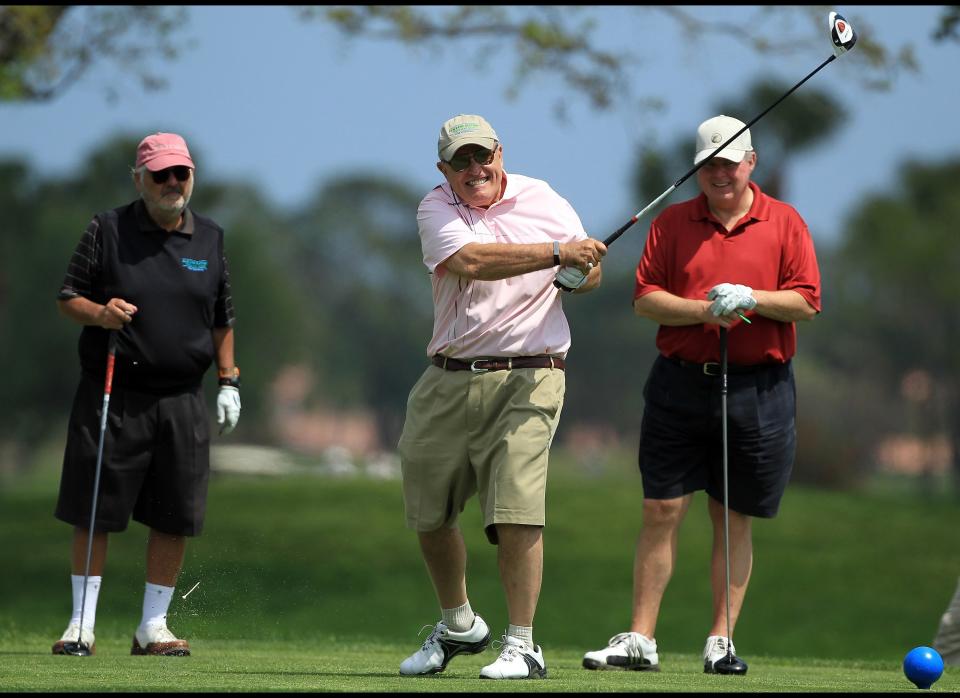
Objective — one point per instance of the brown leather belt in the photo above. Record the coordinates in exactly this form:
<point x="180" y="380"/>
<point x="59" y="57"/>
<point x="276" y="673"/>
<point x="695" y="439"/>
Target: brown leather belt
<point x="498" y="364"/>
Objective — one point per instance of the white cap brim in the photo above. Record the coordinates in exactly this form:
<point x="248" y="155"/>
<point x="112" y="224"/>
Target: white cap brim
<point x="728" y="153"/>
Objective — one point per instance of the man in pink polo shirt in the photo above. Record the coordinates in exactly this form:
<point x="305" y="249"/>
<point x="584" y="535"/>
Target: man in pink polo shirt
<point x="483" y="415"/>
<point x="730" y="250"/>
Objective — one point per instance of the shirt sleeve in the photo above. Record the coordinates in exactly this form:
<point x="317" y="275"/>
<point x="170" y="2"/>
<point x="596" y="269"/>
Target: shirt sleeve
<point x="572" y="222"/>
<point x="651" y="270"/>
<point x="799" y="270"/>
<point x="223" y="308"/>
<point x="85" y="264"/>
<point x="444" y="227"/>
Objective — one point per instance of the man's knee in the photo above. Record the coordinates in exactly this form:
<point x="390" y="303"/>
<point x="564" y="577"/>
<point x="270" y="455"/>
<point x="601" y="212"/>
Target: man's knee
<point x="738" y="520"/>
<point x="664" y="512"/>
<point x="516" y="537"/>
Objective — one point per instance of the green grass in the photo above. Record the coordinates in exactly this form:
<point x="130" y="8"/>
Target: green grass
<point x="328" y="664"/>
<point x="315" y="584"/>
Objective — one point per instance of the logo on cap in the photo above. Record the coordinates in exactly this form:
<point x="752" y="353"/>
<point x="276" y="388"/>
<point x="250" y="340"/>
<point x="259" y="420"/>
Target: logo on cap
<point x="716" y="138"/>
<point x="463" y="128"/>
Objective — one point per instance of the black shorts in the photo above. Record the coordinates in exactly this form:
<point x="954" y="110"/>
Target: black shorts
<point x="156" y="460"/>
<point x="681" y="436"/>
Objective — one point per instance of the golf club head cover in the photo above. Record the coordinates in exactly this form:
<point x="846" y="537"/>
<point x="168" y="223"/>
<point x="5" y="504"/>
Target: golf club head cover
<point x="569" y="279"/>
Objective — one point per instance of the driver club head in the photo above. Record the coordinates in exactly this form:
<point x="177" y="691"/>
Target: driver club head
<point x="77" y="649"/>
<point x="730" y="665"/>
<point x="842" y="34"/>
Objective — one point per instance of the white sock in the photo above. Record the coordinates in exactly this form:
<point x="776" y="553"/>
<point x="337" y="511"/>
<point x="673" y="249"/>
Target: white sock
<point x="93" y="593"/>
<point x="459" y="619"/>
<point x="156" y="601"/>
<point x="522" y="633"/>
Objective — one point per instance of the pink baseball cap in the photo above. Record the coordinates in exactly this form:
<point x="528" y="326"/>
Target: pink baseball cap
<point x="162" y="150"/>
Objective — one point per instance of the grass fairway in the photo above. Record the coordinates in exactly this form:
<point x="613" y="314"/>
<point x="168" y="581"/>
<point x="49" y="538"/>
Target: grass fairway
<point x="343" y="666"/>
<point x="313" y="584"/>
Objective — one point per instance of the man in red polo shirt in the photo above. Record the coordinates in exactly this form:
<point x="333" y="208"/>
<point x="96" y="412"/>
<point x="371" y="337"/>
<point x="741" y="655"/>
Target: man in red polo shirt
<point x="730" y="251"/>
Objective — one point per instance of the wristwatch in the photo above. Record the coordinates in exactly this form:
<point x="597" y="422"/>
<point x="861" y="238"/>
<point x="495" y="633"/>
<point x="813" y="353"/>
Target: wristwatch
<point x="556" y="253"/>
<point x="229" y="376"/>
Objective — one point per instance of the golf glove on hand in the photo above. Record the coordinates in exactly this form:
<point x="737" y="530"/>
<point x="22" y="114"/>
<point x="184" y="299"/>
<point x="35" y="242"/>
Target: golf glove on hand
<point x="570" y="278"/>
<point x="730" y="297"/>
<point x="228" y="408"/>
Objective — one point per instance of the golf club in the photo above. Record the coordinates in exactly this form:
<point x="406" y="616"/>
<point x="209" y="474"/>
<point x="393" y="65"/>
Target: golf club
<point x="843" y="37"/>
<point x="81" y="648"/>
<point x="729" y="665"/>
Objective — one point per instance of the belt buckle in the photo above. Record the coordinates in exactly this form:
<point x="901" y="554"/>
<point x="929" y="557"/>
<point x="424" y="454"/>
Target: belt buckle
<point x="474" y="369"/>
<point x="706" y="369"/>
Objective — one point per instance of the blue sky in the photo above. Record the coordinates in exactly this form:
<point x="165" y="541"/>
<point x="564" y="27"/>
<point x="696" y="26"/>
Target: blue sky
<point x="288" y="105"/>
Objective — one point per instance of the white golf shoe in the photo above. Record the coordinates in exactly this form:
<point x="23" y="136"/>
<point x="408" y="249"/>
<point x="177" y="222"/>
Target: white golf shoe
<point x="516" y="661"/>
<point x="71" y="634"/>
<point x="444" y="644"/>
<point x="631" y="651"/>
<point x="715" y="650"/>
<point x="156" y="638"/>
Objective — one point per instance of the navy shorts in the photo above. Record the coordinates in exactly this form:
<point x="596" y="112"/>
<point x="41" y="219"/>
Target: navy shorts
<point x="681" y="436"/>
<point x="156" y="460"/>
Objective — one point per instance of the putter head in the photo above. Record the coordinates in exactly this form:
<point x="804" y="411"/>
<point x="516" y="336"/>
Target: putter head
<point x="730" y="665"/>
<point x="842" y="34"/>
<point x="77" y="649"/>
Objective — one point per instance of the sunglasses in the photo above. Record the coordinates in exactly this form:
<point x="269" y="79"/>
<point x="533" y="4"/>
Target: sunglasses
<point x="481" y="156"/>
<point x="181" y="172"/>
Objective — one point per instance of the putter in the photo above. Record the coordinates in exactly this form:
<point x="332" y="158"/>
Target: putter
<point x="81" y="648"/>
<point x="731" y="665"/>
<point x="843" y="37"/>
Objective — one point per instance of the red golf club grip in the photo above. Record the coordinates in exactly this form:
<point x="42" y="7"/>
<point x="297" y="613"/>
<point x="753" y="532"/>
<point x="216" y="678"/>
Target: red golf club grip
<point x="111" y="358"/>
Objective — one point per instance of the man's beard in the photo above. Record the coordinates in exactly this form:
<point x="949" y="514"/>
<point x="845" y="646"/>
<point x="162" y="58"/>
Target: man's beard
<point x="171" y="209"/>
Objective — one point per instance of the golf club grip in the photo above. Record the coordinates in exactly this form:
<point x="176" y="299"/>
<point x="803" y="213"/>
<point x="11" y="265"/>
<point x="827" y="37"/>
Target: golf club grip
<point x="620" y="231"/>
<point x="111" y="360"/>
<point x="723" y="349"/>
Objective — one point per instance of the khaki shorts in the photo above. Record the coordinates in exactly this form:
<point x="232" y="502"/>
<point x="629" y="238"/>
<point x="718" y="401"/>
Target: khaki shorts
<point x="488" y="433"/>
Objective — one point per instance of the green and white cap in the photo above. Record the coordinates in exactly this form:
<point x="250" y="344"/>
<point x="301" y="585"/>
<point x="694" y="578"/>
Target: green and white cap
<point x="462" y="130"/>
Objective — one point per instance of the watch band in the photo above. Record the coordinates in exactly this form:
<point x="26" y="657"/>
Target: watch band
<point x="556" y="253"/>
<point x="229" y="376"/>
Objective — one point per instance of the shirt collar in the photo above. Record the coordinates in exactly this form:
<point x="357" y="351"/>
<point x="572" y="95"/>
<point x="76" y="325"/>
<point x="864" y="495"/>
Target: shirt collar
<point x="759" y="209"/>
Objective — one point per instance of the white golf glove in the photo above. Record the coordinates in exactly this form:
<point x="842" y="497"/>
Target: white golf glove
<point x="228" y="408"/>
<point x="730" y="297"/>
<point x="569" y="279"/>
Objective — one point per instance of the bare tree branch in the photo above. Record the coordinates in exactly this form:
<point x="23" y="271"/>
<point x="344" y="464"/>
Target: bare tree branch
<point x="46" y="49"/>
<point x="559" y="41"/>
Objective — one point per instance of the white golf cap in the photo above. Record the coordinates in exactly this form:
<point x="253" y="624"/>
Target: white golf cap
<point x="464" y="129"/>
<point x="714" y="132"/>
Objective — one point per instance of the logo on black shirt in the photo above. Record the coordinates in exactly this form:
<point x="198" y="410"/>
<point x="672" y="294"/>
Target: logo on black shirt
<point x="194" y="264"/>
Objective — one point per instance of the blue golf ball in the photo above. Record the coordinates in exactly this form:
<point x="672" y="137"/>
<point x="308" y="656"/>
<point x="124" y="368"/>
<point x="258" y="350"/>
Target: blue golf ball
<point x="923" y="666"/>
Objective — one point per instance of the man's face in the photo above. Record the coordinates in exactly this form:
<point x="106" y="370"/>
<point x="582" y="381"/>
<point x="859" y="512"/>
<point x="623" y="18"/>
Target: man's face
<point x="478" y="185"/>
<point x="171" y="194"/>
<point x="724" y="181"/>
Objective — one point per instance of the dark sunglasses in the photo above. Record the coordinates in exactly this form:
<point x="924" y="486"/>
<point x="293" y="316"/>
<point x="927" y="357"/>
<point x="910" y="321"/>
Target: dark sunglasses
<point x="481" y="156"/>
<point x="181" y="172"/>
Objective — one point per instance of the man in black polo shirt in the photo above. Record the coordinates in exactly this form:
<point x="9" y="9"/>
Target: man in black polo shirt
<point x="156" y="274"/>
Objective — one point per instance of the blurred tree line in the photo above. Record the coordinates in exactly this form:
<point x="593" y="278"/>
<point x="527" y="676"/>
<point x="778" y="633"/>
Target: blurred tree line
<point x="339" y="286"/>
